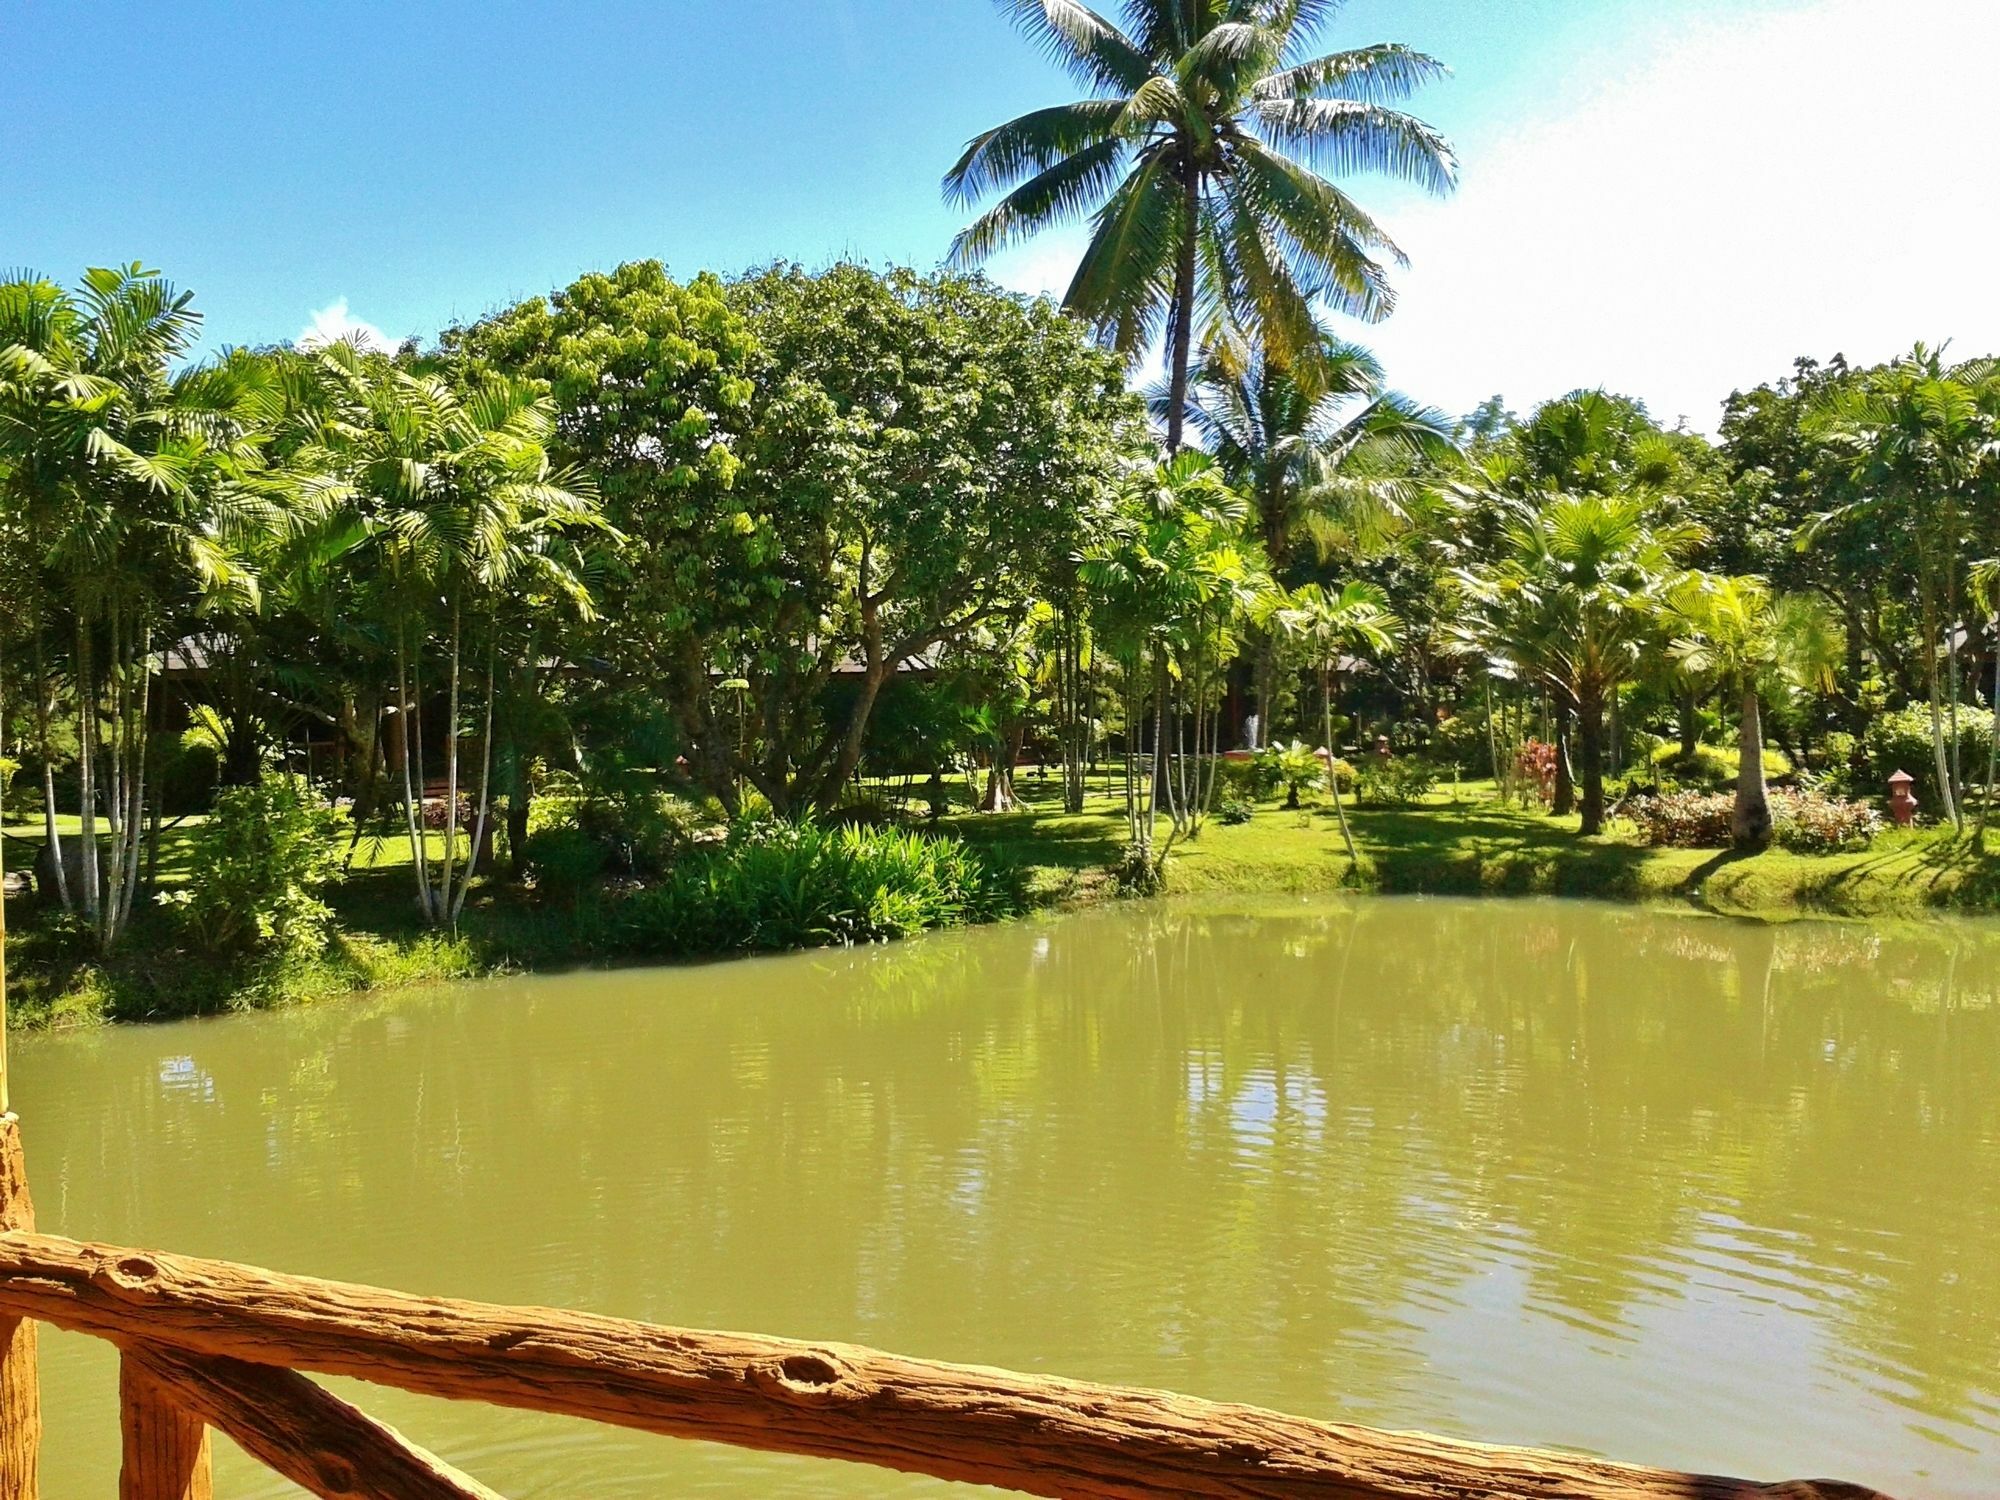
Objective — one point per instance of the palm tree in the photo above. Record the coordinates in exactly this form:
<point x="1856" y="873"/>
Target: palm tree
<point x="1333" y="624"/>
<point x="470" y="528"/>
<point x="1735" y="631"/>
<point x="1324" y="451"/>
<point x="127" y="479"/>
<point x="1199" y="159"/>
<point x="1576" y="598"/>
<point x="1918" y="440"/>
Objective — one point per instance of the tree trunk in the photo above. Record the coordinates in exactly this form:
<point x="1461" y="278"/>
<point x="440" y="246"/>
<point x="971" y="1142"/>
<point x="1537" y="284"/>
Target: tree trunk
<point x="1563" y="802"/>
<point x="1181" y="355"/>
<point x="1750" y="820"/>
<point x="1333" y="769"/>
<point x="1590" y="730"/>
<point x="86" y="723"/>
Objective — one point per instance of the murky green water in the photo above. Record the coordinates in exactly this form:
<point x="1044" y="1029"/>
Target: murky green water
<point x="1673" y="1190"/>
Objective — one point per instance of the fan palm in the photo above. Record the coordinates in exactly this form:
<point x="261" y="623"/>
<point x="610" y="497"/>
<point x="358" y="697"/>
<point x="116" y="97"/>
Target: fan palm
<point x="1199" y="158"/>
<point x="1575" y="598"/>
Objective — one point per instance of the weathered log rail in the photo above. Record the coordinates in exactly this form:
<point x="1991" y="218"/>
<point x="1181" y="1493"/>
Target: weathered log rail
<point x="208" y="1344"/>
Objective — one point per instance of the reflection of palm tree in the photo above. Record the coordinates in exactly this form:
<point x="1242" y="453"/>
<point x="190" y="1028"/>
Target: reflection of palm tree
<point x="1198" y="159"/>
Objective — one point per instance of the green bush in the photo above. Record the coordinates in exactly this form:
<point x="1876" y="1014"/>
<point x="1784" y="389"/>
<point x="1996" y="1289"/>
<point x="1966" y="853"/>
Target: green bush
<point x="1233" y="809"/>
<point x="1901" y="741"/>
<point x="1713" y="765"/>
<point x="258" y="865"/>
<point x="777" y="885"/>
<point x="1399" y="781"/>
<point x="1254" y="779"/>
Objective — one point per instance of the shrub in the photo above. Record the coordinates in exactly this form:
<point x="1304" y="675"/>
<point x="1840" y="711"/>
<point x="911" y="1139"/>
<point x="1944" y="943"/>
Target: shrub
<point x="1399" y="781"/>
<point x="1901" y="741"/>
<point x="1684" y="820"/>
<point x="1714" y="766"/>
<point x="259" y="864"/>
<point x="1297" y="767"/>
<point x="1233" y="809"/>
<point x="1808" y="823"/>
<point x="565" y="861"/>
<point x="774" y="885"/>
<point x="1535" y="764"/>
<point x="1804" y="822"/>
<point x="1254" y="779"/>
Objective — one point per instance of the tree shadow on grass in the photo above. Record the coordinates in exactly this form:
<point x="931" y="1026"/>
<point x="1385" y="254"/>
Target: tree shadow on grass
<point x="1461" y="851"/>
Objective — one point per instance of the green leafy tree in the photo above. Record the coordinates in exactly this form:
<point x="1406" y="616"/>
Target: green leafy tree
<point x="1199" y="158"/>
<point x="650" y="380"/>
<point x="926" y="457"/>
<point x="1918" y="441"/>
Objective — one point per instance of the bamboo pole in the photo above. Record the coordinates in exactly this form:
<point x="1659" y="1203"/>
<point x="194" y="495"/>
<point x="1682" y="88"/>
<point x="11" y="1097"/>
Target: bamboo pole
<point x="165" y="1446"/>
<point x="1037" y="1434"/>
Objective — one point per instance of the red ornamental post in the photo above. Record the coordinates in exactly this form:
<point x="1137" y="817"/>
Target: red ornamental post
<point x="1902" y="803"/>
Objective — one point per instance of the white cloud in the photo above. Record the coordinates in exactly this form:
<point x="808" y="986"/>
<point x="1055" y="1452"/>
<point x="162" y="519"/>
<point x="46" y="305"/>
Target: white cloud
<point x="334" y="322"/>
<point x="1797" y="182"/>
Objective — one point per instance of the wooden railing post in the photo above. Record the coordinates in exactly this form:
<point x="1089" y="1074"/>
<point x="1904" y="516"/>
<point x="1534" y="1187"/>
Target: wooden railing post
<point x="165" y="1445"/>
<point x="20" y="1386"/>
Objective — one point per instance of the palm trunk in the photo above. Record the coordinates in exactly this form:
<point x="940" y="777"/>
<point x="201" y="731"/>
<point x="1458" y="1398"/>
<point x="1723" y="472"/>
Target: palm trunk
<point x="86" y="716"/>
<point x="1590" y="729"/>
<point x="485" y="790"/>
<point x="1563" y="801"/>
<point x="1332" y="768"/>
<point x="44" y="708"/>
<point x="445" y="903"/>
<point x="1182" y="354"/>
<point x="1750" y="820"/>
<point x="412" y="809"/>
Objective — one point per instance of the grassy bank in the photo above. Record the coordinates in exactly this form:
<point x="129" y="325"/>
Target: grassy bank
<point x="1462" y="843"/>
<point x="1469" y="844"/>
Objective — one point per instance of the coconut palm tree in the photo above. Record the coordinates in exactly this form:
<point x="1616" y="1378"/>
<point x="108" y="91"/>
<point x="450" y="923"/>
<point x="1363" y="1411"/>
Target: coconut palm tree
<point x="1733" y="630"/>
<point x="1199" y="157"/>
<point x="1325" y="452"/>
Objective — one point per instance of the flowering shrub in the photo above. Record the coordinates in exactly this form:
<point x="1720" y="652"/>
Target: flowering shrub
<point x="1809" y="823"/>
<point x="1536" y="764"/>
<point x="1684" y="820"/>
<point x="1804" y="822"/>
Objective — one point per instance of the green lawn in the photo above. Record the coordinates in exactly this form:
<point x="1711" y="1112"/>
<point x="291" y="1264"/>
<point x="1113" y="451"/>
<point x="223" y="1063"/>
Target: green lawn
<point x="1472" y="844"/>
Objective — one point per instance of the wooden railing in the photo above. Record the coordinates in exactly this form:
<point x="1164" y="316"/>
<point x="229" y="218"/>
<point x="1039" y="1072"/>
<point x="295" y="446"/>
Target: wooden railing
<point x="210" y="1345"/>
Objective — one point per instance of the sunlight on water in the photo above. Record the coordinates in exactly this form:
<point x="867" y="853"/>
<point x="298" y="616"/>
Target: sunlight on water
<point x="1669" y="1189"/>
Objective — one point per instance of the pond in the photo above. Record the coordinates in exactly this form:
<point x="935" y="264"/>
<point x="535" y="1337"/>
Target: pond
<point x="1665" y="1188"/>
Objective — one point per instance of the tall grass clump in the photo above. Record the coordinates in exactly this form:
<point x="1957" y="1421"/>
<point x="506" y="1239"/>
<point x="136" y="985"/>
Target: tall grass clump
<point x="776" y="885"/>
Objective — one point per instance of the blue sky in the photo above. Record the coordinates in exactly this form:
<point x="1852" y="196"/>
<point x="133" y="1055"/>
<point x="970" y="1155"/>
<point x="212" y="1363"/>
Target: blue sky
<point x="1671" y="196"/>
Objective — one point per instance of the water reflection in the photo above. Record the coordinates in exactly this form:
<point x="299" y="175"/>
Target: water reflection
<point x="1672" y="1189"/>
